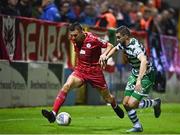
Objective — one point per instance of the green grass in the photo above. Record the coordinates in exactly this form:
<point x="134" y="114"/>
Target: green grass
<point x="88" y="120"/>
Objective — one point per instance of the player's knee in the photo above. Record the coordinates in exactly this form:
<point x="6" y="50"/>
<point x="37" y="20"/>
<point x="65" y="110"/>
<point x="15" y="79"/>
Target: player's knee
<point x="66" y="87"/>
<point x="132" y="104"/>
<point x="125" y="103"/>
<point x="109" y="99"/>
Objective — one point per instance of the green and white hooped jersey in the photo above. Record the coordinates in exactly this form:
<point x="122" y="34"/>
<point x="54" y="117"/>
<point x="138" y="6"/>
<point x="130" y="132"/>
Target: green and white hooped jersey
<point x="132" y="51"/>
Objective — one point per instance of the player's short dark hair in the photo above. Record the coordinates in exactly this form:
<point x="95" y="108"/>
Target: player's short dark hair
<point x="124" y="30"/>
<point x="75" y="26"/>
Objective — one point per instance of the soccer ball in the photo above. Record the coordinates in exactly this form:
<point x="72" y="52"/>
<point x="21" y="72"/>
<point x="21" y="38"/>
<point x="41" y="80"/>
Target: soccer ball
<point x="63" y="119"/>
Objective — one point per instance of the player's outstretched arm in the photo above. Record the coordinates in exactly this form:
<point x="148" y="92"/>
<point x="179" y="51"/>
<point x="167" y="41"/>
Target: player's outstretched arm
<point x="142" y="70"/>
<point x="111" y="52"/>
<point x="102" y="59"/>
<point x="109" y="47"/>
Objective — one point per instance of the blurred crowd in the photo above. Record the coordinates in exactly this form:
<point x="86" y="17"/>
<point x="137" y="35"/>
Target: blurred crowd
<point x="149" y="15"/>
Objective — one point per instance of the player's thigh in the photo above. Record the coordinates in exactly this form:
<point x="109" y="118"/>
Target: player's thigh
<point x="97" y="80"/>
<point x="129" y="91"/>
<point x="72" y="82"/>
<point x="147" y="83"/>
<point x="125" y="100"/>
<point x="130" y="85"/>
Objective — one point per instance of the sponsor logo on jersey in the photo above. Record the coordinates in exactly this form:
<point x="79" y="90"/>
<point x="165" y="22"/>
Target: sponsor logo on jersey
<point x="82" y="52"/>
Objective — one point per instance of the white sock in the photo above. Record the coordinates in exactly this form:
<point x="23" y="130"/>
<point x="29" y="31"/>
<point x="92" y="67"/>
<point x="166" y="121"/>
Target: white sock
<point x="54" y="113"/>
<point x="134" y="119"/>
<point x="145" y="103"/>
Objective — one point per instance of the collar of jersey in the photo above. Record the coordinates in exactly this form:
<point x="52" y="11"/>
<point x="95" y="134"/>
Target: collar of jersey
<point x="130" y="43"/>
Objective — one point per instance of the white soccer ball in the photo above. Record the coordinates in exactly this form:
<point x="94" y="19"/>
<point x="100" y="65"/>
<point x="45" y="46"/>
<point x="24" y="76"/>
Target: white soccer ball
<point x="63" y="119"/>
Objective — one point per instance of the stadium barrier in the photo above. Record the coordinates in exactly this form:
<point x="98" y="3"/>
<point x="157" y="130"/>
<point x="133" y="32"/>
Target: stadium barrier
<point x="34" y="45"/>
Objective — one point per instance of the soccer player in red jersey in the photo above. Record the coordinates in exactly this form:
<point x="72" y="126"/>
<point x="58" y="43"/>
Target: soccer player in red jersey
<point x="88" y="70"/>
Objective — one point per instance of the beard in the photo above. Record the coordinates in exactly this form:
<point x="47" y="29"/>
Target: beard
<point x="122" y="40"/>
<point x="79" y="40"/>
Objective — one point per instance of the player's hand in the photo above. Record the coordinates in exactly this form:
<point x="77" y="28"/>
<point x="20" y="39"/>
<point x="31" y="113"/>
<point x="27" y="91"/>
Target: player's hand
<point x="103" y="61"/>
<point x="138" y="86"/>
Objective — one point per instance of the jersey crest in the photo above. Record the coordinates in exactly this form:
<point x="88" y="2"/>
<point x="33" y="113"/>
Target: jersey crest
<point x="88" y="45"/>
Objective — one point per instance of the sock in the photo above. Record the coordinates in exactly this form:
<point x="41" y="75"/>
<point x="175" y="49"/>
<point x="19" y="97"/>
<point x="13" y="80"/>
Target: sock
<point x="114" y="104"/>
<point x="54" y="113"/>
<point x="145" y="103"/>
<point x="59" y="101"/>
<point x="133" y="117"/>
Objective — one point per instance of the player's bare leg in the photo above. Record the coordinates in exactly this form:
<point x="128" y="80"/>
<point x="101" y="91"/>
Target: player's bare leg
<point x="110" y="99"/>
<point x="72" y="82"/>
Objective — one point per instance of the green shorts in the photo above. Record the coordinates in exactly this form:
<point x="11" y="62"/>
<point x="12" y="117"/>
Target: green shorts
<point x="146" y="82"/>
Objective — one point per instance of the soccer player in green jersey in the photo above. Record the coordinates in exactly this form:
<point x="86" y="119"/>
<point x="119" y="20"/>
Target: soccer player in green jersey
<point x="141" y="79"/>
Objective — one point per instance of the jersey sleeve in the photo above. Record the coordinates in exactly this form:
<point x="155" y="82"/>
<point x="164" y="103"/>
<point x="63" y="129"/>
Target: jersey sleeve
<point x="138" y="51"/>
<point x="101" y="42"/>
<point x="119" y="46"/>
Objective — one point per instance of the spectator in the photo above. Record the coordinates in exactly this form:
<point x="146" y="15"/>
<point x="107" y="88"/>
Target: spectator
<point x="146" y="20"/>
<point x="50" y="11"/>
<point x="133" y="13"/>
<point x="67" y="14"/>
<point x="170" y="23"/>
<point x="106" y="19"/>
<point x="123" y="17"/>
<point x="10" y="8"/>
<point x="77" y="6"/>
<point x="37" y="8"/>
<point x="164" y="19"/>
<point x="25" y="8"/>
<point x="156" y="25"/>
<point x="137" y="23"/>
<point x="2" y="4"/>
<point x="88" y="16"/>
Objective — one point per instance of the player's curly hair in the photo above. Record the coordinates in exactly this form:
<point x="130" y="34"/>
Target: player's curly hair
<point x="124" y="30"/>
<point x="75" y="26"/>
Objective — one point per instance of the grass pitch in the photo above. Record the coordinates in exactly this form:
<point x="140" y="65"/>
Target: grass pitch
<point x="88" y="120"/>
